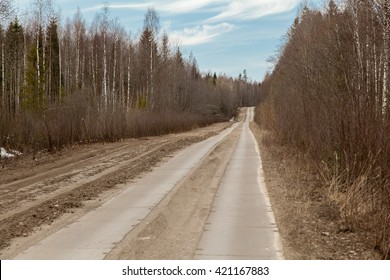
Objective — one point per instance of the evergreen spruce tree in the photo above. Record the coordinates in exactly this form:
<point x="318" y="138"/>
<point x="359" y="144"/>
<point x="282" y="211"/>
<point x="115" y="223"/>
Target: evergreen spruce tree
<point x="52" y="52"/>
<point x="13" y="66"/>
<point x="34" y="88"/>
<point x="214" y="80"/>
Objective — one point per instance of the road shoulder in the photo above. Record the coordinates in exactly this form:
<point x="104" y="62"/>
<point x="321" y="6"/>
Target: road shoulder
<point x="309" y="222"/>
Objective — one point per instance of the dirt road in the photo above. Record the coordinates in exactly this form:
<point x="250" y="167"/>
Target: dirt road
<point x="241" y="224"/>
<point x="98" y="202"/>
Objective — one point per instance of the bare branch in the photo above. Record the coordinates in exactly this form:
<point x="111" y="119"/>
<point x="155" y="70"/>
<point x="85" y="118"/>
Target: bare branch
<point x="6" y="9"/>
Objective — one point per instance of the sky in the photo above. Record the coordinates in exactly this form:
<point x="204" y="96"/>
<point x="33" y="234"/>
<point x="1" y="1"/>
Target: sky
<point x="225" y="36"/>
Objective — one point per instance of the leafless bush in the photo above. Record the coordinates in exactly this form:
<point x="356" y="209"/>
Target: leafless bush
<point x="328" y="96"/>
<point x="78" y="121"/>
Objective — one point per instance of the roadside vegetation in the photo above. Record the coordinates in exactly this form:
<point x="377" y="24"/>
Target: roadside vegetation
<point x="328" y="98"/>
<point x="68" y="81"/>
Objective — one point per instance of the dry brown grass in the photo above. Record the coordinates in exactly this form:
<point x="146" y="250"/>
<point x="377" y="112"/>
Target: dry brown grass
<point x="363" y="201"/>
<point x="309" y="220"/>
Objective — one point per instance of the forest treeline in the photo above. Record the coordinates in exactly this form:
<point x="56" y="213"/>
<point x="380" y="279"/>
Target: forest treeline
<point x="76" y="82"/>
<point x="328" y="96"/>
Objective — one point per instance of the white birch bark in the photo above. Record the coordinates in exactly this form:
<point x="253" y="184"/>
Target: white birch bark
<point x="3" y="73"/>
<point x="104" y="71"/>
<point x="128" y="80"/>
<point x="386" y="42"/>
<point x="77" y="57"/>
<point x="113" y="91"/>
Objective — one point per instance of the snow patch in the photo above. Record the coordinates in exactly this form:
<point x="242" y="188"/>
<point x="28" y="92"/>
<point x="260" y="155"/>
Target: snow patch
<point x="8" y="154"/>
<point x="17" y="153"/>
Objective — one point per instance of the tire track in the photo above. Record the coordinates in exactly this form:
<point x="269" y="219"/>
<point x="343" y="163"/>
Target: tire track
<point x="44" y="202"/>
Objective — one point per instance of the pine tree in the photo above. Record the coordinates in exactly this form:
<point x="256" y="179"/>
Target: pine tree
<point x="178" y="80"/>
<point x="214" y="80"/>
<point x="34" y="88"/>
<point x="13" y="67"/>
<point x="148" y="52"/>
<point x="332" y="8"/>
<point x="52" y="52"/>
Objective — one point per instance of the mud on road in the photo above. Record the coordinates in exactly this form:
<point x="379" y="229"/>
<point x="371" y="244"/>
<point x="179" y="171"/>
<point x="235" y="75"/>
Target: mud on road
<point x="57" y="188"/>
<point x="174" y="227"/>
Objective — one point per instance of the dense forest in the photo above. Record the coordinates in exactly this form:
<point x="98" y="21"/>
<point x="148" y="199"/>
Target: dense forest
<point x="72" y="82"/>
<point x="328" y="96"/>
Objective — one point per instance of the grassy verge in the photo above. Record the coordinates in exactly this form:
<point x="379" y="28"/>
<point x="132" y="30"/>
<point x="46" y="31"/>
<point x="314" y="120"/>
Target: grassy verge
<point x="310" y="221"/>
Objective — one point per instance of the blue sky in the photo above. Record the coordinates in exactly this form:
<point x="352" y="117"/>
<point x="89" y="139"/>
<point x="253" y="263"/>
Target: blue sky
<point x="224" y="36"/>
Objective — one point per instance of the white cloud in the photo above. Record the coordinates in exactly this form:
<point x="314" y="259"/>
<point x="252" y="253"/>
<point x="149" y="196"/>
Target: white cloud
<point x="167" y="6"/>
<point x="166" y="25"/>
<point x="200" y="34"/>
<point x="226" y="9"/>
<point x="185" y="6"/>
<point x="129" y="6"/>
<point x="250" y="9"/>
